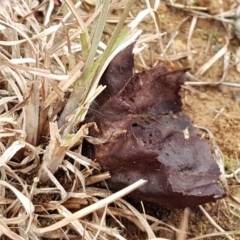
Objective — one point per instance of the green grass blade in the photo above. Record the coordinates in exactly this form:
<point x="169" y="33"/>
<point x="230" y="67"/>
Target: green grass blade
<point x="84" y="43"/>
<point x="80" y="85"/>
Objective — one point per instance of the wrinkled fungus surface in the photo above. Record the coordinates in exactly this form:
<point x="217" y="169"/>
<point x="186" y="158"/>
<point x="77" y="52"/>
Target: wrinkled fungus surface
<point x="149" y="137"/>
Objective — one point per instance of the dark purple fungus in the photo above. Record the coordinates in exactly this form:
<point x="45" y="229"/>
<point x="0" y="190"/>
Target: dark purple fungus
<point x="115" y="76"/>
<point x="151" y="138"/>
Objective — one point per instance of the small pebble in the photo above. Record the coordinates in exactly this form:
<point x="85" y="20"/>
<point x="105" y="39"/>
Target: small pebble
<point x="217" y="47"/>
<point x="237" y="96"/>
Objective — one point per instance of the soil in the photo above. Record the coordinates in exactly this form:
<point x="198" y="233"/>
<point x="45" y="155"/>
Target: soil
<point x="215" y="108"/>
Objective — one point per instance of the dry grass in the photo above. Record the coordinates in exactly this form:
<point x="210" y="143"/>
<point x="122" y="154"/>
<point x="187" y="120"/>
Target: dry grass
<point x="49" y="77"/>
<point x="45" y="180"/>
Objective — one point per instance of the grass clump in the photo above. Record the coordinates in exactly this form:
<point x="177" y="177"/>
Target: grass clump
<point x="49" y="78"/>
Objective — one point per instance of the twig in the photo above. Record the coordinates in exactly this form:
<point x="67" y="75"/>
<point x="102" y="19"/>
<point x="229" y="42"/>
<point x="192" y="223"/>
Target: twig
<point x="213" y="59"/>
<point x="215" y="235"/>
<point x="191" y="29"/>
<point x="208" y="16"/>
<point x="233" y="174"/>
<point x="213" y="222"/>
<point x="174" y="34"/>
<point x="92" y="208"/>
<point x="184" y="7"/>
<point x="228" y="84"/>
<point x="182" y="233"/>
